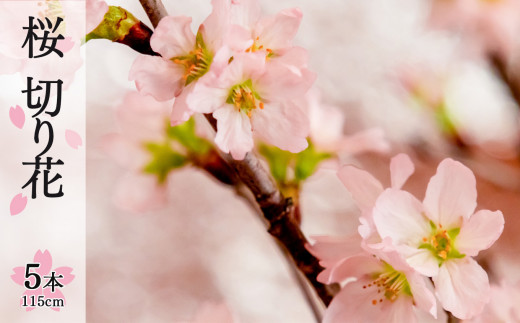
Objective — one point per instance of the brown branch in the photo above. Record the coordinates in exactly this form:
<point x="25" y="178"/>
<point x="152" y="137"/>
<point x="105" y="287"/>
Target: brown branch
<point x="277" y="210"/>
<point x="280" y="215"/>
<point x="154" y="10"/>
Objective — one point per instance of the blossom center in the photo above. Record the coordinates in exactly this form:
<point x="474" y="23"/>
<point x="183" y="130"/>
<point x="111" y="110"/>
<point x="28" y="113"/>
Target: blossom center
<point x="244" y="98"/>
<point x="390" y="284"/>
<point x="257" y="46"/>
<point x="196" y="63"/>
<point x="442" y="243"/>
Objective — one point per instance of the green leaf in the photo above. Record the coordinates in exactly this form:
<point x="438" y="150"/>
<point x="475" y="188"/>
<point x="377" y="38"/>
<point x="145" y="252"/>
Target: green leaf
<point x="163" y="160"/>
<point x="307" y="162"/>
<point x="278" y="161"/>
<point x="186" y="136"/>
<point x="115" y="25"/>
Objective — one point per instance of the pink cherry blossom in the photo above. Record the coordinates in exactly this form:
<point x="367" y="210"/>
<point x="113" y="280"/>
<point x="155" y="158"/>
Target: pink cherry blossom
<point x="44" y="259"/>
<point x="185" y="58"/>
<point x="271" y="35"/>
<point x="141" y="119"/>
<point x="439" y="236"/>
<point x="326" y="129"/>
<point x="365" y="189"/>
<point x="251" y="96"/>
<point x="385" y="289"/>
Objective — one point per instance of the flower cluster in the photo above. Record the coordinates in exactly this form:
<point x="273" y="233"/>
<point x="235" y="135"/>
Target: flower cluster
<point x="406" y="244"/>
<point x="240" y="67"/>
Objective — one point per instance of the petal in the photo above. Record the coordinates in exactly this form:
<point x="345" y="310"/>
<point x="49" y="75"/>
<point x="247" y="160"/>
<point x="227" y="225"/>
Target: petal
<point x="326" y="121"/>
<point x="284" y="78"/>
<point x="333" y="249"/>
<point x="73" y="139"/>
<point x="480" y="232"/>
<point x="206" y="98"/>
<point x="402" y="310"/>
<point x="359" y="266"/>
<point x="364" y="187"/>
<point x="216" y="25"/>
<point x="17" y="116"/>
<point x="422" y="293"/>
<point x="354" y="304"/>
<point x="401" y="168"/>
<point x="421" y="260"/>
<point x="173" y="37"/>
<point x="285" y="126"/>
<point x="243" y="67"/>
<point x="66" y="272"/>
<point x="19" y="275"/>
<point x="18" y="204"/>
<point x="45" y="261"/>
<point x="399" y="215"/>
<point x="278" y="32"/>
<point x="180" y="110"/>
<point x="239" y="38"/>
<point x="245" y="12"/>
<point x="451" y="194"/>
<point x="234" y="133"/>
<point x="157" y="77"/>
<point x="462" y="286"/>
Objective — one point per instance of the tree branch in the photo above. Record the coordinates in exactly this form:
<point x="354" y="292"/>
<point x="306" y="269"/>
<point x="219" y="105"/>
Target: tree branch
<point x="154" y="10"/>
<point x="277" y="210"/>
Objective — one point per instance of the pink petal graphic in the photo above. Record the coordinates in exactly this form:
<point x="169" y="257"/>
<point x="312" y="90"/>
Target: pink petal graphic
<point x="73" y="139"/>
<point x="19" y="275"/>
<point x="43" y="258"/>
<point x="65" y="45"/>
<point x="17" y="116"/>
<point x="18" y="204"/>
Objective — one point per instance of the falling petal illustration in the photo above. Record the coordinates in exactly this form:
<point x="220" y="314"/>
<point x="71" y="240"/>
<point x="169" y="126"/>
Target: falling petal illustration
<point x="17" y="116"/>
<point x="18" y="204"/>
<point x="73" y="139"/>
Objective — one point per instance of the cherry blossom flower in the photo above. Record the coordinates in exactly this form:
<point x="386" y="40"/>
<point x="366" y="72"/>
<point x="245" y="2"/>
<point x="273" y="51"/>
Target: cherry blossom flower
<point x="271" y="35"/>
<point x="326" y="129"/>
<point x="439" y="236"/>
<point x="385" y="287"/>
<point x="186" y="58"/>
<point x="250" y="95"/>
<point x="365" y="189"/>
<point x="44" y="259"/>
